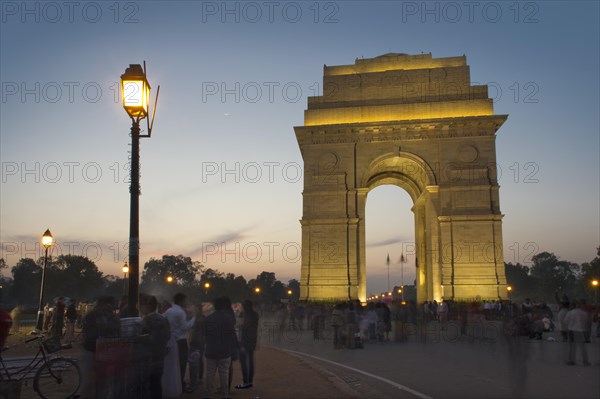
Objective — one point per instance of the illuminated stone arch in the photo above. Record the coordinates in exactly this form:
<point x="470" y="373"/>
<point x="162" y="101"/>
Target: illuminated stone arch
<point x="417" y="123"/>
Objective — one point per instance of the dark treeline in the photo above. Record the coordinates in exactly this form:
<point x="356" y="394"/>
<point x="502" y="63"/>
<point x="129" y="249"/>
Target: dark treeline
<point x="78" y="277"/>
<point x="548" y="274"/>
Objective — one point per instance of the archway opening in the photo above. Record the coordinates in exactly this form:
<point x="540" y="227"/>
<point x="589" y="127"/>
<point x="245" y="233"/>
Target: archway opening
<point x="390" y="229"/>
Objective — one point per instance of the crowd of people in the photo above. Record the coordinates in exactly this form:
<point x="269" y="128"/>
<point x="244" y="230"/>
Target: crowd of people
<point x="181" y="347"/>
<point x="174" y="348"/>
<point x="350" y="325"/>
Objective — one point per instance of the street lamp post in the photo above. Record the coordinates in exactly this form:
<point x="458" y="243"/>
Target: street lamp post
<point x="135" y="90"/>
<point x="125" y="271"/>
<point x="46" y="242"/>
<point x="596" y="287"/>
<point x="206" y="287"/>
<point x="387" y="261"/>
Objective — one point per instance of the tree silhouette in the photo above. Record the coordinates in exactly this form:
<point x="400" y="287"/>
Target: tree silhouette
<point x="552" y="274"/>
<point x="27" y="276"/>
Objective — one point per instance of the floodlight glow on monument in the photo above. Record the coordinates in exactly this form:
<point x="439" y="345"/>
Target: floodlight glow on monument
<point x="136" y="91"/>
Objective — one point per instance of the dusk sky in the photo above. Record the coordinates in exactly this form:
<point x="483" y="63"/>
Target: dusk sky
<point x="221" y="177"/>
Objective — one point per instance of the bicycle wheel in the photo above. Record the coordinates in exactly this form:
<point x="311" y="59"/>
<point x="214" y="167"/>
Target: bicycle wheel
<point x="58" y="378"/>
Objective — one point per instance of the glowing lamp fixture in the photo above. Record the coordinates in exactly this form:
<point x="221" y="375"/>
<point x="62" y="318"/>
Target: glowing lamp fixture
<point x="169" y="279"/>
<point x="47" y="239"/>
<point x="206" y="285"/>
<point x="135" y="90"/>
<point x="595" y="283"/>
<point x="509" y="288"/>
<point x="257" y="290"/>
<point x="289" y="292"/>
<point x="125" y="268"/>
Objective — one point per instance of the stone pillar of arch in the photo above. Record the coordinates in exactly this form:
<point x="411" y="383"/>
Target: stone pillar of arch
<point x="415" y="122"/>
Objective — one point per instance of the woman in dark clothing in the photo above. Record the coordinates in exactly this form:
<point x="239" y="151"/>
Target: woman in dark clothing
<point x="219" y="338"/>
<point x="196" y="358"/>
<point x="248" y="338"/>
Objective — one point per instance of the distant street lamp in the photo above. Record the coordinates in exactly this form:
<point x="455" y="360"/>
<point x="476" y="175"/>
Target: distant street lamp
<point x="206" y="287"/>
<point x="135" y="90"/>
<point x="595" y="285"/>
<point x="47" y="240"/>
<point x="509" y="290"/>
<point x="257" y="290"/>
<point x="125" y="271"/>
<point x="169" y="279"/>
<point x="290" y="292"/>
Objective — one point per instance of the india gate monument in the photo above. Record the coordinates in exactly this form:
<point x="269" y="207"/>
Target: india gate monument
<point x="418" y="123"/>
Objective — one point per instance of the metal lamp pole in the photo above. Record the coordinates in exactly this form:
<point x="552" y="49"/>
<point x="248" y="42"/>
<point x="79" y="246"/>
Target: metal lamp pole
<point x="46" y="242"/>
<point x="134" y="220"/>
<point x="125" y="271"/>
<point x="136" y="97"/>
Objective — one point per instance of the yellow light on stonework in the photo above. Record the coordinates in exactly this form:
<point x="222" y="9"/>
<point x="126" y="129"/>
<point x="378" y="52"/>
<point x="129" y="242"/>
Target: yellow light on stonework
<point x="135" y="90"/>
<point x="382" y="113"/>
<point x="125" y="268"/>
<point x="47" y="238"/>
<point x="169" y="279"/>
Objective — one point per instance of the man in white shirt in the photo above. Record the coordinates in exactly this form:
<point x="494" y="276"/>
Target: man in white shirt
<point x="576" y="321"/>
<point x="180" y="326"/>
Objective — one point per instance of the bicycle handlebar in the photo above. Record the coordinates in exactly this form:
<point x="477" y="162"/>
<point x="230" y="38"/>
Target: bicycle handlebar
<point x="34" y="338"/>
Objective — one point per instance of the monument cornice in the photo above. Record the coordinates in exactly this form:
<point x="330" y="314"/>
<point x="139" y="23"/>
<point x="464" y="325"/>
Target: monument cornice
<point x="407" y="130"/>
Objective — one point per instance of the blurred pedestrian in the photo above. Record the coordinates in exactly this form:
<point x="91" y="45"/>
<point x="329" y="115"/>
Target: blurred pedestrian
<point x="196" y="357"/>
<point x="101" y="322"/>
<point x="219" y="335"/>
<point x="71" y="316"/>
<point x="155" y="333"/>
<point x="180" y="326"/>
<point x="248" y="341"/>
<point x="337" y="321"/>
<point x="59" y="318"/>
<point x="15" y="315"/>
<point x="577" y="323"/>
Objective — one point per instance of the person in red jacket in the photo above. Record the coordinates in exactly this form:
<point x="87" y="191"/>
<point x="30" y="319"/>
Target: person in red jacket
<point x="5" y="325"/>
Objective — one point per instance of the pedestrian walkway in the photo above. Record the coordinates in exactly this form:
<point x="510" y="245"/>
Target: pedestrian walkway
<point x="280" y="375"/>
<point x="485" y="365"/>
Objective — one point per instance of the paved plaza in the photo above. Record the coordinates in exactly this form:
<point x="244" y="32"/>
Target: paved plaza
<point x="442" y="364"/>
<point x="431" y="363"/>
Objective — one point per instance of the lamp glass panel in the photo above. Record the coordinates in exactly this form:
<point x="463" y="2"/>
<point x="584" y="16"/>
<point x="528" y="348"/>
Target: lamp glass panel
<point x="134" y="94"/>
<point x="46" y="241"/>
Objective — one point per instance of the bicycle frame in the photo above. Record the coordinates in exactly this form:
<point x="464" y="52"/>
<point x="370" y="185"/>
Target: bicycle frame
<point x="33" y="364"/>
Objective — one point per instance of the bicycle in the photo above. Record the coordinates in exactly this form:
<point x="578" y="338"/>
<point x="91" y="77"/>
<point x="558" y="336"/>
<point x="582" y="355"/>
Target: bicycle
<point x="56" y="377"/>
